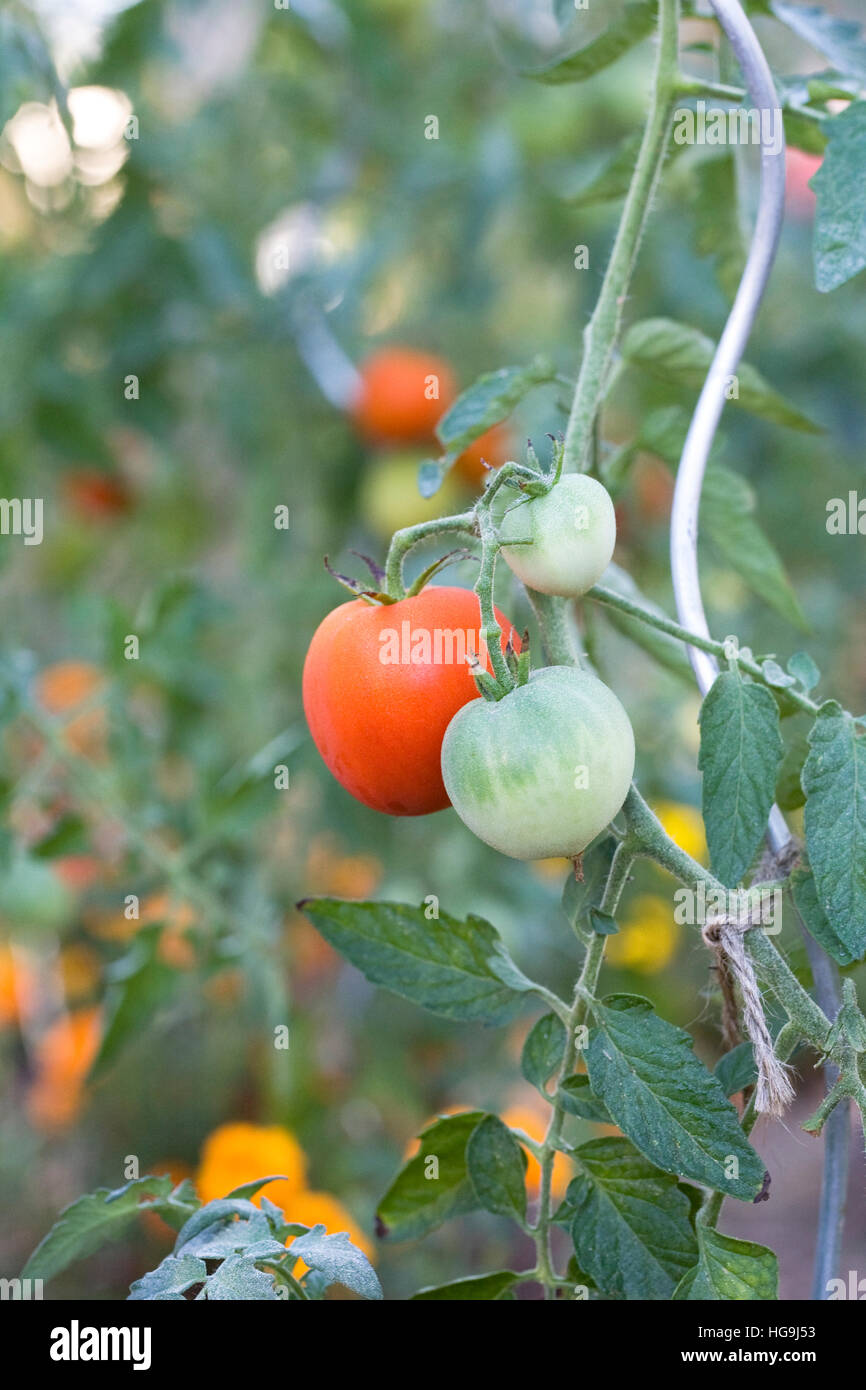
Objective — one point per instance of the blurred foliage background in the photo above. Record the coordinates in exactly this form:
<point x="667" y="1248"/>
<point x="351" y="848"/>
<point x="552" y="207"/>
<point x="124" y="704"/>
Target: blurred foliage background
<point x="234" y="195"/>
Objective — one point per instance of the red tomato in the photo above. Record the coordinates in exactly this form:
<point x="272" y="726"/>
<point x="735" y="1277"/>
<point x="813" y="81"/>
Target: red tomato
<point x="493" y="447"/>
<point x="403" y="395"/>
<point x="381" y="685"/>
<point x="96" y="496"/>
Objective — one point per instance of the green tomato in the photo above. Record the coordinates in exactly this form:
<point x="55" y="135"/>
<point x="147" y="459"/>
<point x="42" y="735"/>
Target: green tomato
<point x="571" y="532"/>
<point x="542" y="771"/>
<point x="33" y="898"/>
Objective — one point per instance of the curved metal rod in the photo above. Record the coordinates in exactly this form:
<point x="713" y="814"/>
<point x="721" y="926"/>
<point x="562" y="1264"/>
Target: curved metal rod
<point x="705" y="421"/>
<point x="684" y="543"/>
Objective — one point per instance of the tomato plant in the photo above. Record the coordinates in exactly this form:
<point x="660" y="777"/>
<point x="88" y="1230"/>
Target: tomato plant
<point x="242" y="964"/>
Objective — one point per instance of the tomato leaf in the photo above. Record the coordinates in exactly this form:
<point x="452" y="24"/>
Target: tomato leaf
<point x="727" y="513"/>
<point x="682" y="355"/>
<point x="741" y="750"/>
<point x="834" y="780"/>
<point x="631" y="1228"/>
<point x="636" y="21"/>
<point x="664" y="1099"/>
<point x="497" y="1168"/>
<point x="170" y="1280"/>
<point x="140" y="984"/>
<point x="730" y="1269"/>
<point x="840" y="218"/>
<point x="805" y="894"/>
<point x="488" y="400"/>
<point x="542" y="1051"/>
<point x="576" y="1096"/>
<point x="841" y="40"/>
<point x="88" y="1223"/>
<point x="238" y="1279"/>
<point x="789" y="791"/>
<point x="719" y="233"/>
<point x="490" y="1287"/>
<point x="338" y="1260"/>
<point x="460" y="970"/>
<point x="580" y="896"/>
<point x="434" y="1185"/>
<point x="736" y="1069"/>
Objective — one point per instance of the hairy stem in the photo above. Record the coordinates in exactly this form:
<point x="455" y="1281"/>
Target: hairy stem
<point x="600" y="334"/>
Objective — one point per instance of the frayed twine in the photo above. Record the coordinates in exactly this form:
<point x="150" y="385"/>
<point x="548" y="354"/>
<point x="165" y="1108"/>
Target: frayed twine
<point x="723" y="935"/>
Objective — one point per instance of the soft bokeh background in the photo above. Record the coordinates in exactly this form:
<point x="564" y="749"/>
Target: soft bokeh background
<point x="247" y="205"/>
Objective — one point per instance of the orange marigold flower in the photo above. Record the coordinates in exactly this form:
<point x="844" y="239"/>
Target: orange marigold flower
<point x="61" y="689"/>
<point x="63" y="1058"/>
<point x="238" y="1153"/>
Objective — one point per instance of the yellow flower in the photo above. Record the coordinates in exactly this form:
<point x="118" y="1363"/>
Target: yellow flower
<point x="683" y="824"/>
<point x="235" y="1154"/>
<point x="647" y="937"/>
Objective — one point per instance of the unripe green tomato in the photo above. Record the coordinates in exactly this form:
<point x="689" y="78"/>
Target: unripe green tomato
<point x="389" y="498"/>
<point x="572" y="532"/>
<point x="542" y="771"/>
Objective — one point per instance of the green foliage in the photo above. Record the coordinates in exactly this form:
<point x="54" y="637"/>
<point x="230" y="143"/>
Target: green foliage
<point x="497" y="1165"/>
<point x="730" y="1269"/>
<point x="834" y="780"/>
<point x="89" y="1222"/>
<point x="635" y="21"/>
<point x="425" y="1193"/>
<point x="840" y="225"/>
<point x="665" y="1101"/>
<point x="460" y="970"/>
<point x="741" y="750"/>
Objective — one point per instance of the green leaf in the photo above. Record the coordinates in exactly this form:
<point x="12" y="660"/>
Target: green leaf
<point x="741" y="749"/>
<point x="664" y="1099"/>
<point x="611" y="181"/>
<point x="804" y="670"/>
<point x="580" y="896"/>
<point x="341" y="1262"/>
<point x="140" y="984"/>
<point x="489" y="1287"/>
<point x="636" y="21"/>
<point x="248" y="1190"/>
<point x="736" y="1069"/>
<point x="789" y="791"/>
<point x="727" y="516"/>
<point x="86" y="1224"/>
<point x="488" y="400"/>
<point x="682" y="356"/>
<point x="805" y="133"/>
<point x="460" y="970"/>
<point x="718" y="229"/>
<point x="730" y="1269"/>
<point x="576" y="1096"/>
<point x="805" y="893"/>
<point x="834" y="780"/>
<point x="425" y="1194"/>
<point x="170" y="1280"/>
<point x="238" y="1280"/>
<point x="497" y="1168"/>
<point x="840" y="40"/>
<point x="219" y="1233"/>
<point x="542" y="1051"/>
<point x="840" y="217"/>
<point x="631" y="1228"/>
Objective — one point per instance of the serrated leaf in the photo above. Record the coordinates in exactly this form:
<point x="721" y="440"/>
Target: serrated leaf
<point x="730" y="1269"/>
<point x="834" y="780"/>
<point x="631" y="1228"/>
<point x="139" y="986"/>
<point x="580" y="896"/>
<point x="718" y="229"/>
<point x="487" y="401"/>
<point x="665" y="1101"/>
<point x="170" y="1280"/>
<point x="231" y="1235"/>
<point x="338" y="1260"/>
<point x="460" y="970"/>
<point x="238" y="1280"/>
<point x="840" y="217"/>
<point x="635" y="22"/>
<point x="840" y="40"/>
<point x="683" y="356"/>
<point x="86" y="1224"/>
<point x="489" y="1287"/>
<point x="741" y="750"/>
<point x="805" y="893"/>
<point x="736" y="1069"/>
<point x="542" y="1051"/>
<point x="727" y="517"/>
<point x="424" y="1194"/>
<point x="576" y="1096"/>
<point x="497" y="1168"/>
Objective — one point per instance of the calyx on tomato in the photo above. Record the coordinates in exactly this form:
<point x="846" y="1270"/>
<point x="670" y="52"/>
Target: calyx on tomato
<point x="382" y="683"/>
<point x="569" y="536"/>
<point x="541" y="772"/>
